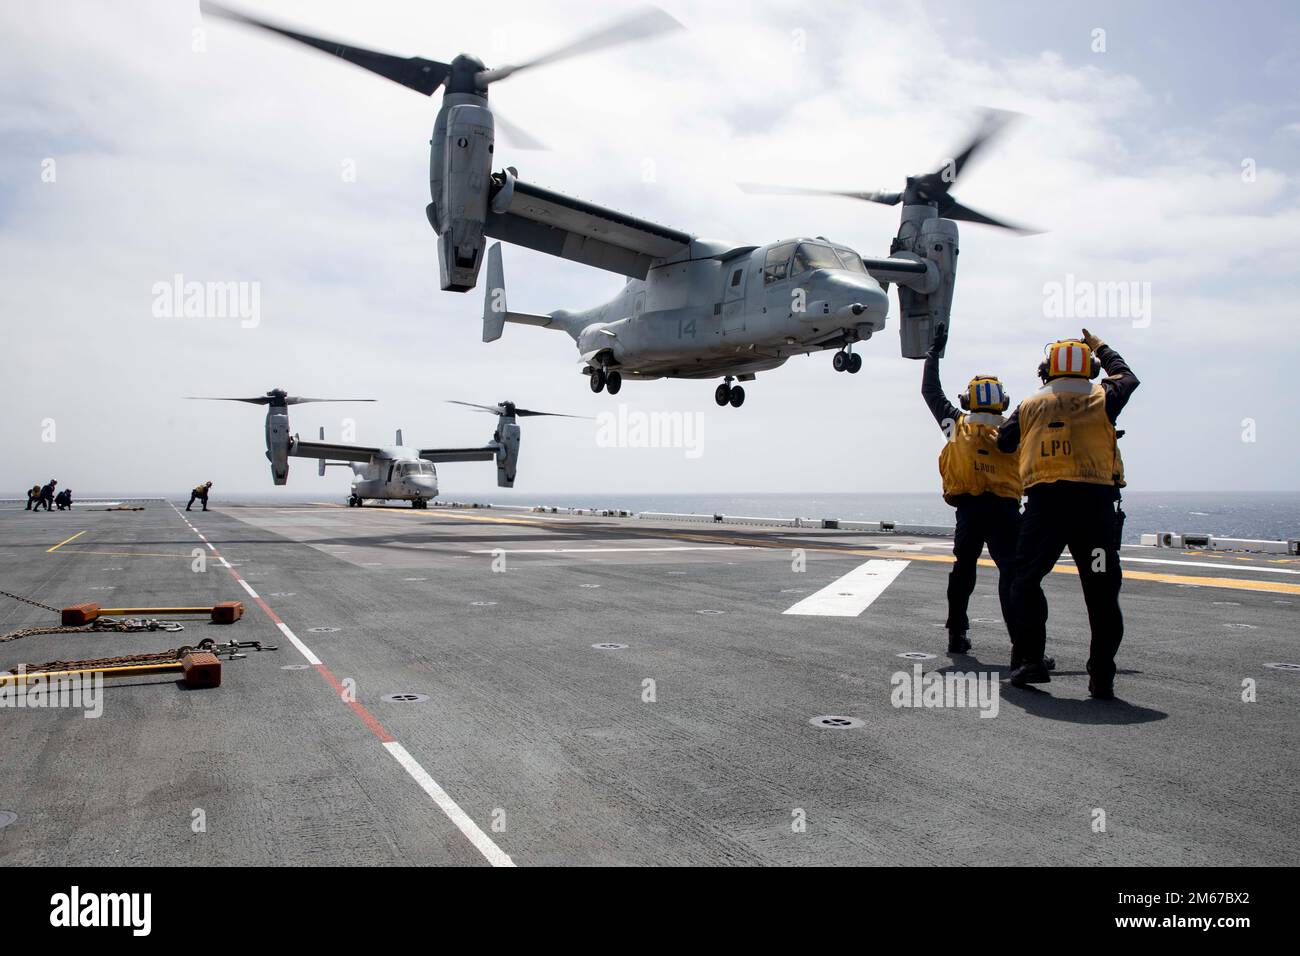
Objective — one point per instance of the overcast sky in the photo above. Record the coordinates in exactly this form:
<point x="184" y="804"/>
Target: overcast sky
<point x="1162" y="152"/>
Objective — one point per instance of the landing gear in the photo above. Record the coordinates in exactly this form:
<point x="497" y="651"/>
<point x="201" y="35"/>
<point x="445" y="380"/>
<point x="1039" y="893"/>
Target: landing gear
<point x="419" y="503"/>
<point x="354" y="502"/>
<point x="728" y="394"/>
<point x="603" y="378"/>
<point x="845" y="361"/>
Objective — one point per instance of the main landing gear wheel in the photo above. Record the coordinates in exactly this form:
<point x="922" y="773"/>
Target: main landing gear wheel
<point x="613" y="381"/>
<point x="849" y="362"/>
<point x="354" y="502"/>
<point x="728" y="394"/>
<point x="597" y="379"/>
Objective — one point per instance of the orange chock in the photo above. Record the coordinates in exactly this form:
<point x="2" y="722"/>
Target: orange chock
<point x="78" y="615"/>
<point x="227" y="612"/>
<point x="201" y="669"/>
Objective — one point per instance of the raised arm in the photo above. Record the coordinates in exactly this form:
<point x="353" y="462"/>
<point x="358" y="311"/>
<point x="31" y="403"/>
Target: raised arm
<point x="931" y="388"/>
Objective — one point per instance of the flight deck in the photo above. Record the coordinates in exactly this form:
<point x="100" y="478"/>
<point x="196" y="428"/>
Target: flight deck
<point x="480" y="686"/>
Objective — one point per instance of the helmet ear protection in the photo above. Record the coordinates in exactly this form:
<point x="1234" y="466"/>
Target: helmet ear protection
<point x="985" y="394"/>
<point x="1069" y="358"/>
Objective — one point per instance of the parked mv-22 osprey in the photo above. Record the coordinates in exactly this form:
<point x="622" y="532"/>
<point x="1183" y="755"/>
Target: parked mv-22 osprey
<point x="691" y="308"/>
<point x="386" y="473"/>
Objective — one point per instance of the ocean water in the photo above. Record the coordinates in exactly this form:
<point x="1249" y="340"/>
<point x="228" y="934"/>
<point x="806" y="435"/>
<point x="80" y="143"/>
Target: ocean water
<point x="1271" y="515"/>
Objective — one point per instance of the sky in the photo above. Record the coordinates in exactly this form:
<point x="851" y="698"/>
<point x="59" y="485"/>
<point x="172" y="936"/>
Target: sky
<point x="1156" y="148"/>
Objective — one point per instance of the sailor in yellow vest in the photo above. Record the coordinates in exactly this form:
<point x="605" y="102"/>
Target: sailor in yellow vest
<point x="980" y="481"/>
<point x="200" y="493"/>
<point x="1071" y="468"/>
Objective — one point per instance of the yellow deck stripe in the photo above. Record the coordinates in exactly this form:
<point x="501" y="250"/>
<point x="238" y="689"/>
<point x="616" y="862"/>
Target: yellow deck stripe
<point x="65" y="541"/>
<point x="1238" y="584"/>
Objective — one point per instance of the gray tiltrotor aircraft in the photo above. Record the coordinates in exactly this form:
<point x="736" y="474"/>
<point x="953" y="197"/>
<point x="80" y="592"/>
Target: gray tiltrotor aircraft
<point x="691" y="307"/>
<point x="392" y="472"/>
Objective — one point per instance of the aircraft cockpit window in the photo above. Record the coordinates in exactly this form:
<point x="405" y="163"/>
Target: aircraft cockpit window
<point x="811" y="255"/>
<point x="852" y="261"/>
<point x="777" y="264"/>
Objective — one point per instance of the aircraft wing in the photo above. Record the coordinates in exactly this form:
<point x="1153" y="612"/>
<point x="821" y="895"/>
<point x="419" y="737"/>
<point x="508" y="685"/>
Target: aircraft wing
<point x="559" y="225"/>
<point x="486" y="453"/>
<point x="319" y="449"/>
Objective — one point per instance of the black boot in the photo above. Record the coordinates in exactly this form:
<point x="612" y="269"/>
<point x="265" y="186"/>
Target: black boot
<point x="1099" y="688"/>
<point x="958" y="642"/>
<point x="1030" y="672"/>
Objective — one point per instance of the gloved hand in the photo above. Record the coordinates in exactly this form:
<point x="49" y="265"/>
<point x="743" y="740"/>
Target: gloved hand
<point x="1092" y="341"/>
<point x="940" y="339"/>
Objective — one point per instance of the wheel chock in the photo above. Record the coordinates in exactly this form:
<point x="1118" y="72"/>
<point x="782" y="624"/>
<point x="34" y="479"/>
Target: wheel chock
<point x="227" y="612"/>
<point x="78" y="615"/>
<point x="201" y="669"/>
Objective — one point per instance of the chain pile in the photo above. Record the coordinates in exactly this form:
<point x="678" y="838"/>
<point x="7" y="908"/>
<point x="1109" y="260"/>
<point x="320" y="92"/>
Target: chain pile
<point x="101" y="625"/>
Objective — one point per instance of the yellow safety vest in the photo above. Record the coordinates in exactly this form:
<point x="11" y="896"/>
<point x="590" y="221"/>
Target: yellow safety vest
<point x="971" y="464"/>
<point x="1065" y="435"/>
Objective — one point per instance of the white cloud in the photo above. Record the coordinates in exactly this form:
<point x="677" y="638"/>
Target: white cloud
<point x="226" y="165"/>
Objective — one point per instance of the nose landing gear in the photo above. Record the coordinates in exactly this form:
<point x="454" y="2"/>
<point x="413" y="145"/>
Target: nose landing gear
<point x="728" y="394"/>
<point x="846" y="361"/>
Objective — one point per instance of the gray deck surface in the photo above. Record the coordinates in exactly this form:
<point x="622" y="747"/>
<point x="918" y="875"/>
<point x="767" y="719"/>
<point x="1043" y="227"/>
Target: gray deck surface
<point x="546" y="744"/>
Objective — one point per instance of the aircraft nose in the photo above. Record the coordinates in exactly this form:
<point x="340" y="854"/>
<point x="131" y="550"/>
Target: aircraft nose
<point x="852" y="289"/>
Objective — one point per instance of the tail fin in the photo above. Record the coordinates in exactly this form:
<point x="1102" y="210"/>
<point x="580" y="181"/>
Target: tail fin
<point x="494" y="299"/>
<point x="320" y="463"/>
<point x="495" y="312"/>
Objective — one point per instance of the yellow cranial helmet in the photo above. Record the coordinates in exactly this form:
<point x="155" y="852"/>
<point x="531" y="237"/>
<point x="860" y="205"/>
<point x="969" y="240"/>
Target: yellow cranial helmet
<point x="1069" y="358"/>
<point x="985" y="394"/>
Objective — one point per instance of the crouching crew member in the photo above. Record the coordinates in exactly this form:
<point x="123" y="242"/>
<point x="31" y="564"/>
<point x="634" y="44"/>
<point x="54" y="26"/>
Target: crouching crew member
<point x="33" y="496"/>
<point x="1072" y="473"/>
<point x="200" y="493"/>
<point x="981" y="482"/>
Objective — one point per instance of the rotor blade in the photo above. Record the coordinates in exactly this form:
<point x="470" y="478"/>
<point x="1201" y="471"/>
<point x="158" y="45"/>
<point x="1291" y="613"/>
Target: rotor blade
<point x="641" y="25"/>
<point x="955" y="210"/>
<point x="299" y="400"/>
<point x="493" y="409"/>
<point x="415" y="73"/>
<point x="994" y="122"/>
<point x="518" y="136"/>
<point x="887" y="197"/>
<point x="526" y="413"/>
<point x="260" y="400"/>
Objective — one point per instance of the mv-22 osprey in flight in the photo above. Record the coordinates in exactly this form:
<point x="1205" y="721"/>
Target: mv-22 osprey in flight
<point x="385" y="473"/>
<point x="691" y="307"/>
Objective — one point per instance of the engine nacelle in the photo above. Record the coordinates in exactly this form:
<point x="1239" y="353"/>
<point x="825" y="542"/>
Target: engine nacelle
<point x="507" y="452"/>
<point x="460" y="177"/>
<point x="924" y="308"/>
<point x="277" y="443"/>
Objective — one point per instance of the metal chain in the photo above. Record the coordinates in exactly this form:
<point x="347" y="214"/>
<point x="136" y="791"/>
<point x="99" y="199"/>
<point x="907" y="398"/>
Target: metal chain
<point x="157" y="657"/>
<point x="43" y="607"/>
<point x="100" y="625"/>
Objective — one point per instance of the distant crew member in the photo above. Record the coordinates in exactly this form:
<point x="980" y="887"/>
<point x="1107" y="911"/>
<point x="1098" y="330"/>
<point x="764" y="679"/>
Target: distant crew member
<point x="33" y="497"/>
<point x="1073" y="473"/>
<point x="981" y="482"/>
<point x="200" y="493"/>
<point x="63" y="500"/>
<point x="47" y="495"/>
